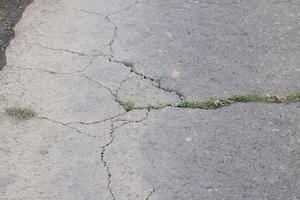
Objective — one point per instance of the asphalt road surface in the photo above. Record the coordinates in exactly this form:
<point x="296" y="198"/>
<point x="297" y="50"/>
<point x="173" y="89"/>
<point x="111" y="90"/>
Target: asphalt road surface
<point x="99" y="73"/>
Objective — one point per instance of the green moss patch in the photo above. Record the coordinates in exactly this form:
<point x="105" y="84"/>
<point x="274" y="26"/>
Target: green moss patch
<point x="214" y="103"/>
<point x="20" y="113"/>
<point x="127" y="105"/>
<point x="248" y="98"/>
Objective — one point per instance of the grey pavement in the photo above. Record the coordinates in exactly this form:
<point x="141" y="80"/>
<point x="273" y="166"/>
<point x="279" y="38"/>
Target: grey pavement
<point x="75" y="61"/>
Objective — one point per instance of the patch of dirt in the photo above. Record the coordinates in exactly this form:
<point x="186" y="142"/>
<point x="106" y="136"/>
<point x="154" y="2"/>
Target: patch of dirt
<point x="10" y="13"/>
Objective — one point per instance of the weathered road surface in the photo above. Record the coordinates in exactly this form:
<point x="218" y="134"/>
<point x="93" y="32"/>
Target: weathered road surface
<point x="72" y="61"/>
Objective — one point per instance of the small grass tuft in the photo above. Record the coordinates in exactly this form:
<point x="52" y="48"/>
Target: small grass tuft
<point x="20" y="113"/>
<point x="127" y="105"/>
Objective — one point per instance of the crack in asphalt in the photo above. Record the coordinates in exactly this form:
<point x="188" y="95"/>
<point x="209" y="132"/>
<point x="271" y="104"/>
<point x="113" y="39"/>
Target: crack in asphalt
<point x="155" y="83"/>
<point x="108" y="144"/>
<point x="114" y="34"/>
<point x="104" y="148"/>
<point x="104" y="162"/>
<point x="107" y="18"/>
<point x="149" y="196"/>
<point x="125" y="63"/>
<point x="80" y="75"/>
<point x="67" y="125"/>
<point x="110" y="58"/>
<point x="113" y="119"/>
<point x="69" y="51"/>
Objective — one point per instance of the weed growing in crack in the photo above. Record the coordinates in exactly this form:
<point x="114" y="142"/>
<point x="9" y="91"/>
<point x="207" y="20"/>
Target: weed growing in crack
<point x="255" y="98"/>
<point x="127" y="105"/>
<point x="292" y="98"/>
<point x="209" y="104"/>
<point x="153" y="107"/>
<point x="248" y="98"/>
<point x="213" y="103"/>
<point x="2" y="19"/>
<point x="20" y="113"/>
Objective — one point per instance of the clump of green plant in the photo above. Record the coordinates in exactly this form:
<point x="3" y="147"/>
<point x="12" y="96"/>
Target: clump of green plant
<point x="127" y="105"/>
<point x="20" y="113"/>
<point x="2" y="19"/>
<point x="292" y="98"/>
<point x="214" y="103"/>
<point x="218" y="103"/>
<point x="153" y="107"/>
<point x="255" y="98"/>
<point x="209" y="104"/>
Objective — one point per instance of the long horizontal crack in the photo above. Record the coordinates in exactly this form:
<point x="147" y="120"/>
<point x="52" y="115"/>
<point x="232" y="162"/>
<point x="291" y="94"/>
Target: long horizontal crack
<point x="97" y="121"/>
<point x="209" y="104"/>
<point x="66" y="125"/>
<point x="80" y="75"/>
<point x="214" y="103"/>
<point x="69" y="51"/>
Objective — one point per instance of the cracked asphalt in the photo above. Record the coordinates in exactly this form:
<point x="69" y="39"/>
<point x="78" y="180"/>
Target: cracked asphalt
<point x="74" y="61"/>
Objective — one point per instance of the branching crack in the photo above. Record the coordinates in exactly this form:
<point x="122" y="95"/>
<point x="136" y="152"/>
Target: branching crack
<point x="129" y="106"/>
<point x="108" y="19"/>
<point x="104" y="148"/>
<point x="155" y="83"/>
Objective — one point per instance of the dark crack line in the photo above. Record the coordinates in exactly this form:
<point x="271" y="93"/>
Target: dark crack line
<point x="69" y="51"/>
<point x="114" y="34"/>
<point x="129" y="64"/>
<point x="149" y="196"/>
<point x="98" y="121"/>
<point x="107" y="18"/>
<point x="126" y="122"/>
<point x="104" y="162"/>
<point x="156" y="83"/>
<point x="104" y="148"/>
<point x="114" y="95"/>
<point x="68" y="126"/>
<point x="87" y="66"/>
